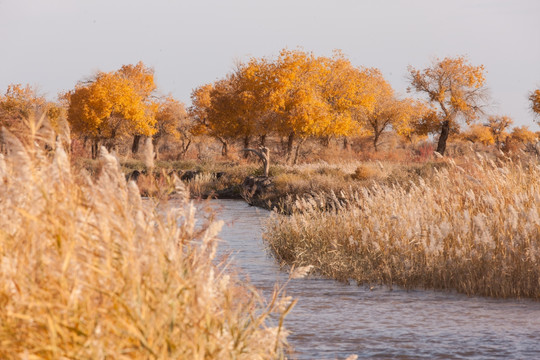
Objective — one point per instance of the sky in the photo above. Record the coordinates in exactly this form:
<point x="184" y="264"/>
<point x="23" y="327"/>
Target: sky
<point x="53" y="44"/>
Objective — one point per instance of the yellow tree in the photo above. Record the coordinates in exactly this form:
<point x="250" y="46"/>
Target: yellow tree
<point x="254" y="82"/>
<point x="19" y="103"/>
<point x="534" y="97"/>
<point x="386" y="111"/>
<point x="456" y="88"/>
<point x="107" y="108"/>
<point x="141" y="78"/>
<point x="498" y="126"/>
<point x="349" y="95"/>
<point x="296" y="97"/>
<point x="479" y="134"/>
<point x="173" y="121"/>
<point x="234" y="107"/>
<point x="523" y="135"/>
<point x="209" y="120"/>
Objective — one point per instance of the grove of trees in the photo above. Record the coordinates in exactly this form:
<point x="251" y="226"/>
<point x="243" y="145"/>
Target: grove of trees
<point x="292" y="97"/>
<point x="299" y="95"/>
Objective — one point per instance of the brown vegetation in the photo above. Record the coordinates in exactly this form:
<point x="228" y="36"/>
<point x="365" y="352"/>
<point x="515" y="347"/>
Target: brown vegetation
<point x="88" y="270"/>
<point x="472" y="227"/>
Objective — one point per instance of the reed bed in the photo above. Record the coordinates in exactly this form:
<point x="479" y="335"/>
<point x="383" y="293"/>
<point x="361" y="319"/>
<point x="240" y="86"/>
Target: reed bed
<point x="473" y="227"/>
<point x="89" y="271"/>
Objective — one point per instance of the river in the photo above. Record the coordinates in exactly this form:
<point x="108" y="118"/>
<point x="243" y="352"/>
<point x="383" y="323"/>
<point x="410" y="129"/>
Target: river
<point x="332" y="320"/>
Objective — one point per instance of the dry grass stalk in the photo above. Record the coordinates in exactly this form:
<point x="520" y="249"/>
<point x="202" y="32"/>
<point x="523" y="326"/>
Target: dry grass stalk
<point x="474" y="228"/>
<point x="87" y="271"/>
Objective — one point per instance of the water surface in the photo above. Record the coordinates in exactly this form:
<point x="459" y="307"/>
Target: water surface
<point x="333" y="320"/>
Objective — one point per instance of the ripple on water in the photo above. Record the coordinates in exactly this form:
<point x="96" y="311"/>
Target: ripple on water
<point x="333" y="320"/>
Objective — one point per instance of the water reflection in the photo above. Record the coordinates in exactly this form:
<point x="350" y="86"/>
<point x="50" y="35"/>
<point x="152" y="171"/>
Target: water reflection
<point x="332" y="320"/>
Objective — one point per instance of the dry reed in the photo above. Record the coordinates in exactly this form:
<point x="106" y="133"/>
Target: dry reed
<point x="473" y="228"/>
<point x="89" y="271"/>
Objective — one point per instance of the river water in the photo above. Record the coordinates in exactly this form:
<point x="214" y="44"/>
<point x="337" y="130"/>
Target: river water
<point x="332" y="320"/>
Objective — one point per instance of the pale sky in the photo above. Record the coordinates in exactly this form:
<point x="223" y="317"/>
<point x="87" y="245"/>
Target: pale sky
<point x="55" y="43"/>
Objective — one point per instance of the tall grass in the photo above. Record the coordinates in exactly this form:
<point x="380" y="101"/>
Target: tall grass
<point x="474" y="228"/>
<point x="89" y="271"/>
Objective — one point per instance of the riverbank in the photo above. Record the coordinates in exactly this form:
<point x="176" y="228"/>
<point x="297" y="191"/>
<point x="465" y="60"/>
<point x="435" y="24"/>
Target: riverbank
<point x="284" y="186"/>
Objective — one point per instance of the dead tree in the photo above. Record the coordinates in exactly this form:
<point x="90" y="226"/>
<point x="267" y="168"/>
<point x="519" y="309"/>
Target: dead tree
<point x="264" y="154"/>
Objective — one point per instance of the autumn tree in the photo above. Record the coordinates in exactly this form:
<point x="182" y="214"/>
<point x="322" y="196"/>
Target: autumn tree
<point x="534" y="97"/>
<point x="20" y="103"/>
<point x="386" y="110"/>
<point x="109" y="107"/>
<point x="316" y="96"/>
<point x="522" y="134"/>
<point x="498" y="126"/>
<point x="296" y="95"/>
<point x="479" y="134"/>
<point x="173" y="122"/>
<point x="214" y="114"/>
<point x="141" y="78"/>
<point x="349" y="93"/>
<point x="456" y="88"/>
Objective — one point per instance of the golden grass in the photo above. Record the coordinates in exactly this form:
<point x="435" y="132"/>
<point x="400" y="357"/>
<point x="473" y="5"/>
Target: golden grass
<point x="474" y="228"/>
<point x="89" y="271"/>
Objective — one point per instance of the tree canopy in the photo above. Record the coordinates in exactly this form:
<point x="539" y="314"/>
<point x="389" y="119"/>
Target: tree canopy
<point x="455" y="88"/>
<point x="534" y="97"/>
<point x="112" y="105"/>
<point x="297" y="95"/>
<point x="19" y="103"/>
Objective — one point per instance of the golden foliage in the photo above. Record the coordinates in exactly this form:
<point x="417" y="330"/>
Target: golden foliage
<point x="535" y="101"/>
<point x="113" y="105"/>
<point x="479" y="134"/>
<point x="20" y="103"/>
<point x="523" y="134"/>
<point x="296" y="94"/>
<point x="386" y="110"/>
<point x="452" y="84"/>
<point x="498" y="126"/>
<point x="173" y="124"/>
<point x="455" y="87"/>
<point x="171" y="118"/>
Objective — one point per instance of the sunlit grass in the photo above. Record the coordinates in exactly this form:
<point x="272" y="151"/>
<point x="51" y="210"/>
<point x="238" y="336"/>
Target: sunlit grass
<point x="88" y="271"/>
<point x="474" y="228"/>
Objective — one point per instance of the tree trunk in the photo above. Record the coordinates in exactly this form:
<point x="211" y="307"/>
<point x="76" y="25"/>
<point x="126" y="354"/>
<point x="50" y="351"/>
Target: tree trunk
<point x="345" y="143"/>
<point x="246" y="145"/>
<point x="297" y="151"/>
<point x="325" y="141"/>
<point x="184" y="147"/>
<point x="95" y="149"/>
<point x="224" y="149"/>
<point x="135" y="145"/>
<point x="263" y="140"/>
<point x="264" y="156"/>
<point x="376" y="141"/>
<point x="155" y="144"/>
<point x="445" y="131"/>
<point x="290" y="143"/>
